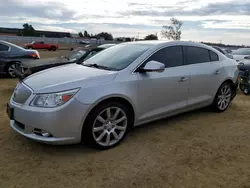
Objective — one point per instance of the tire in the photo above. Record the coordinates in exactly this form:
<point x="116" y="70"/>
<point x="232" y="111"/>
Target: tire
<point x="10" y="69"/>
<point x="246" y="91"/>
<point x="30" y="47"/>
<point x="103" y="133"/>
<point x="53" y="48"/>
<point x="223" y="98"/>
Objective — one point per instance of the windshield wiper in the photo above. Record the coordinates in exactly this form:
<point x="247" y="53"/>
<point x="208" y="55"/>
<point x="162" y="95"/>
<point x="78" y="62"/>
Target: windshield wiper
<point x="98" y="66"/>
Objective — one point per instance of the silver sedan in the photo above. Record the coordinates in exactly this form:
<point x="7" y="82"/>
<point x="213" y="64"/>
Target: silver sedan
<point x="124" y="86"/>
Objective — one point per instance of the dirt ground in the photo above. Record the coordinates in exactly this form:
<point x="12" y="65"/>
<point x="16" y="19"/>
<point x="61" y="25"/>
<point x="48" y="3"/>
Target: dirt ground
<point x="197" y="149"/>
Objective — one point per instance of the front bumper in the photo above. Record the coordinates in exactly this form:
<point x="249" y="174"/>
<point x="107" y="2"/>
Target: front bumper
<point x="63" y="124"/>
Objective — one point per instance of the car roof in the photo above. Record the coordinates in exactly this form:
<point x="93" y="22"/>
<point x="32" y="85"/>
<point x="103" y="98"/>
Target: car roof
<point x="10" y="44"/>
<point x="106" y="45"/>
<point x="162" y="43"/>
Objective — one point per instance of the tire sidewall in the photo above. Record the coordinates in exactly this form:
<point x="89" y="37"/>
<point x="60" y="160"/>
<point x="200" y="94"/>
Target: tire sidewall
<point x="7" y="68"/>
<point x="87" y="135"/>
<point x="215" y="102"/>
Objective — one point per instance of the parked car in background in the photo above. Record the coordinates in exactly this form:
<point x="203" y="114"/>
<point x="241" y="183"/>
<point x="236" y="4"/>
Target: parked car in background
<point x="126" y="85"/>
<point x="223" y="51"/>
<point x="77" y="55"/>
<point x="244" y="65"/>
<point x="11" y="56"/>
<point x="41" y="45"/>
<point x="241" y="53"/>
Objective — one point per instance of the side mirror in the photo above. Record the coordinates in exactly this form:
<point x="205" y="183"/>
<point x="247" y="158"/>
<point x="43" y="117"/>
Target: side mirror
<point x="153" y="66"/>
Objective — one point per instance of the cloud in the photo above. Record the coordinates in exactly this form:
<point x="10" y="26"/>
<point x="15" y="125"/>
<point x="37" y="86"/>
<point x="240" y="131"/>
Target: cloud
<point x="210" y="18"/>
<point x="36" y="9"/>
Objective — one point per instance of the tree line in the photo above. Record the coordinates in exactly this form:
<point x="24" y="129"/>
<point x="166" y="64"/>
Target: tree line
<point x="171" y="31"/>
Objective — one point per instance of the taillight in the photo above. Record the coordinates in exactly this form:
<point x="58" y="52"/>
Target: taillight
<point x="34" y="55"/>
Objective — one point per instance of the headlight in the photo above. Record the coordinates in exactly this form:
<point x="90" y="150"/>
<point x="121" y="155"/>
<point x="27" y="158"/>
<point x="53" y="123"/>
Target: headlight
<point x="51" y="100"/>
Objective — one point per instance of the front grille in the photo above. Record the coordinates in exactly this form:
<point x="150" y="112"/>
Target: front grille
<point x="21" y="94"/>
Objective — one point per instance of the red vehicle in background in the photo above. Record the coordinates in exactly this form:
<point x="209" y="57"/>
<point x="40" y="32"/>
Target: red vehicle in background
<point x="41" y="45"/>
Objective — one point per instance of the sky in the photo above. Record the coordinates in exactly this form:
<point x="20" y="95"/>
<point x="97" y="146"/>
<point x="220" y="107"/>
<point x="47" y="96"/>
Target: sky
<point x="223" y="21"/>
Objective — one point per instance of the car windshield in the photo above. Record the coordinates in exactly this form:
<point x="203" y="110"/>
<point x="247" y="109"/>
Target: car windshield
<point x="75" y="54"/>
<point x="117" y="57"/>
<point x="242" y="51"/>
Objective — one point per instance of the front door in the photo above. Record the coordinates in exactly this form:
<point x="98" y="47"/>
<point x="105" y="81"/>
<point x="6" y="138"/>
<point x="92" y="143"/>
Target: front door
<point x="160" y="93"/>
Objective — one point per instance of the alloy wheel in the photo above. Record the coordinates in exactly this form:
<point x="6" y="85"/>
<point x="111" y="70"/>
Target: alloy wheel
<point x="224" y="97"/>
<point x="110" y="126"/>
<point x="12" y="68"/>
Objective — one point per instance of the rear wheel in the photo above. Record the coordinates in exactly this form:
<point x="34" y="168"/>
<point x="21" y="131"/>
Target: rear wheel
<point x="223" y="97"/>
<point x="10" y="69"/>
<point x="107" y="125"/>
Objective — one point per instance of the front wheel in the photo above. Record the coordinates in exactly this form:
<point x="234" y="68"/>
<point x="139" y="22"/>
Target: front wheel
<point x="107" y="125"/>
<point x="223" y="98"/>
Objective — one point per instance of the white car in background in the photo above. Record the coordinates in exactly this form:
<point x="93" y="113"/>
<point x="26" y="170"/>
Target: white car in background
<point x="241" y="54"/>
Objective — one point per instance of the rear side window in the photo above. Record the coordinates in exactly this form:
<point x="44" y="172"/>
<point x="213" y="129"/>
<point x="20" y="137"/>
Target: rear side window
<point x="170" y="56"/>
<point x="213" y="56"/>
<point x="197" y="55"/>
<point x="4" y="48"/>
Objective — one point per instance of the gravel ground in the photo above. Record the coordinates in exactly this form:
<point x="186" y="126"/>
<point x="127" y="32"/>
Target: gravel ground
<point x="197" y="149"/>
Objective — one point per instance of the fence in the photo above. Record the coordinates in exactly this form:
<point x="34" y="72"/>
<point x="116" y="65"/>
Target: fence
<point x="22" y="39"/>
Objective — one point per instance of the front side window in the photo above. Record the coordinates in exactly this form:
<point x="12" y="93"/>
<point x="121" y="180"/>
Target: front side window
<point x="170" y="56"/>
<point x="197" y="55"/>
<point x="4" y="48"/>
<point x="117" y="57"/>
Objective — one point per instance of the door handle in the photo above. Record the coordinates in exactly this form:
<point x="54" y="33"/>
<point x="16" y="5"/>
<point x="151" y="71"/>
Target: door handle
<point x="183" y="79"/>
<point x="217" y="72"/>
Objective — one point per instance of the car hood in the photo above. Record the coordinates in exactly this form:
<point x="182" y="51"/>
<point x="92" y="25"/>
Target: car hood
<point x="47" y="61"/>
<point x="239" y="57"/>
<point x="67" y="77"/>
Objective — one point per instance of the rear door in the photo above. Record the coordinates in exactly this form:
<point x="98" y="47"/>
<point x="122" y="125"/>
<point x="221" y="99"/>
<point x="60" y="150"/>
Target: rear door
<point x="205" y="79"/>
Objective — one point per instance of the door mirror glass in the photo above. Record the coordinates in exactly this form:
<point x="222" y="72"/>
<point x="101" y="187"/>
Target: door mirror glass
<point x="153" y="66"/>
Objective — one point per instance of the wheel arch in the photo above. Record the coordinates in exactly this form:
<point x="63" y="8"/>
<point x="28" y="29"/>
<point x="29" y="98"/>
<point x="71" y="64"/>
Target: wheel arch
<point x="9" y="62"/>
<point x="117" y="98"/>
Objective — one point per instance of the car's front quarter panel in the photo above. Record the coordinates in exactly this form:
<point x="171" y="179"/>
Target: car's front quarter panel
<point x="124" y="86"/>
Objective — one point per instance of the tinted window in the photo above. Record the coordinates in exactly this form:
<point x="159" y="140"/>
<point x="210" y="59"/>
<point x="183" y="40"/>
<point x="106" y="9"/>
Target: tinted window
<point x="213" y="56"/>
<point x="3" y="48"/>
<point x="170" y="56"/>
<point x="197" y="55"/>
<point x="41" y="42"/>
